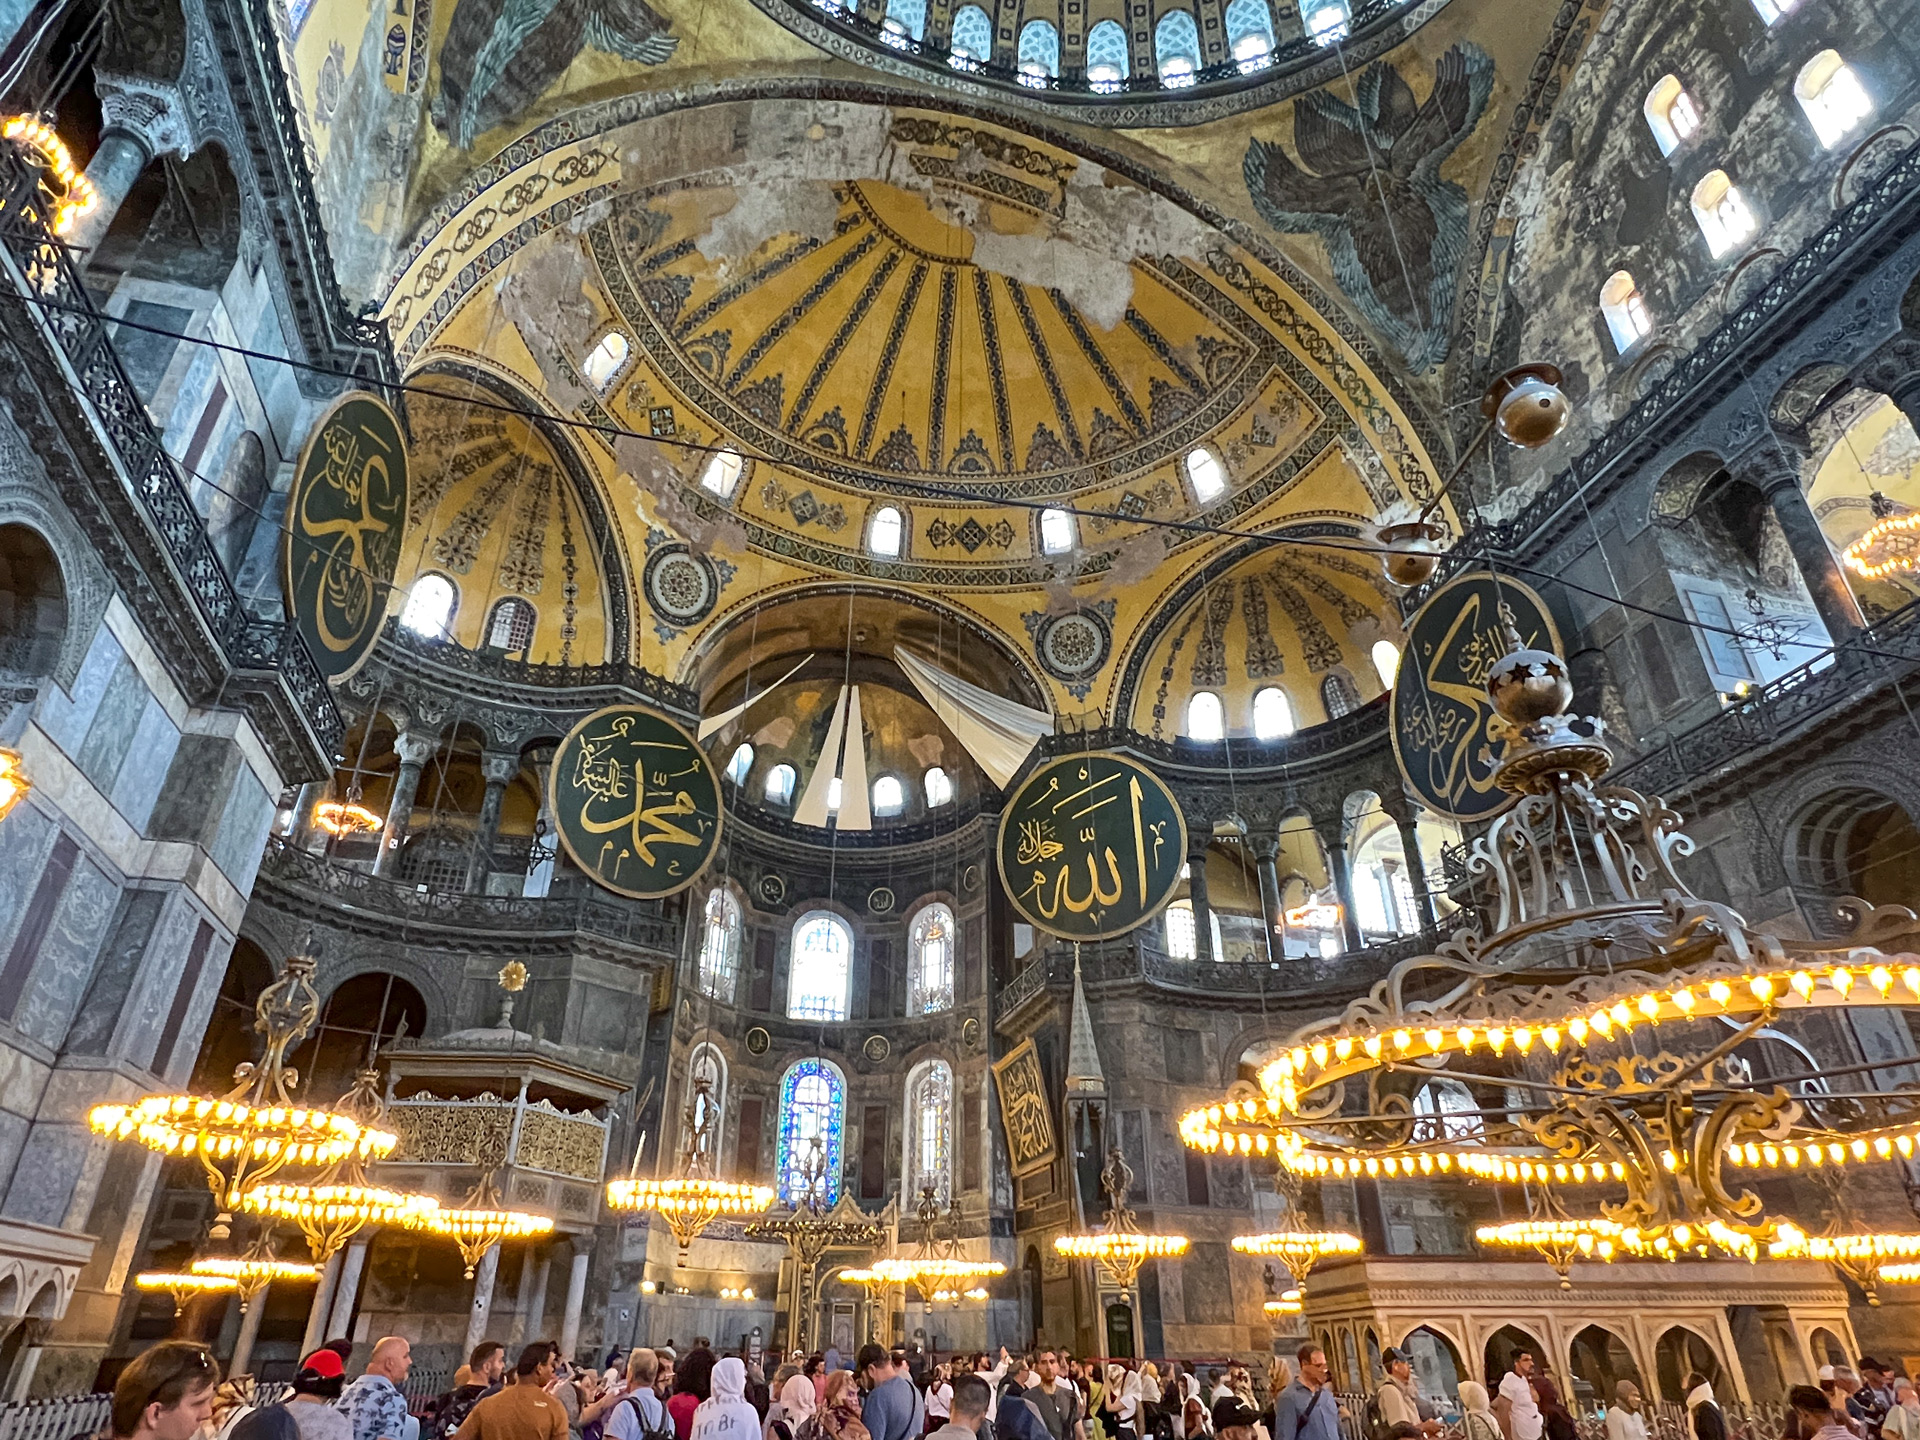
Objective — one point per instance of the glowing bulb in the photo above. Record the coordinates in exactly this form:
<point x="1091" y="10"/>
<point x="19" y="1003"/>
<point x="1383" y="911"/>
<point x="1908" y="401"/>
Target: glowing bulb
<point x="1578" y="1029"/>
<point x="1684" y="1001"/>
<point x="1649" y="1006"/>
<point x="1373" y="1047"/>
<point x="1720" y="992"/>
<point x="1434" y="1039"/>
<point x="1551" y="1035"/>
<point x="1762" y="988"/>
<point x="1402" y="1041"/>
<point x="1802" y="984"/>
<point x="1523" y="1038"/>
<point x="1882" y="978"/>
<point x="1342" y="1048"/>
<point x="1842" y="980"/>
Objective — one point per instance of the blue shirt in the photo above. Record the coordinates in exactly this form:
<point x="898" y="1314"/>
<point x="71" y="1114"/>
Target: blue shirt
<point x="376" y="1407"/>
<point x="892" y="1411"/>
<point x="1304" y="1414"/>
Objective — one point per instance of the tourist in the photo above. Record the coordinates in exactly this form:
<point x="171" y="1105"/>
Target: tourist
<point x="375" y="1403"/>
<point x="1518" y="1407"/>
<point x="639" y="1414"/>
<point x="1233" y="1418"/>
<point x="967" y="1401"/>
<point x="726" y="1413"/>
<point x="1875" y="1397"/>
<point x="1055" y="1399"/>
<point x="1191" y="1418"/>
<point x="1306" y="1409"/>
<point x="1903" y="1416"/>
<point x="523" y="1410"/>
<point x="1843" y="1388"/>
<point x="938" y="1399"/>
<point x="485" y="1369"/>
<point x="1477" y="1420"/>
<point x="317" y="1385"/>
<point x="815" y="1369"/>
<point x="1624" y="1420"/>
<point x="166" y="1393"/>
<point x="1708" y="1421"/>
<point x="837" y="1416"/>
<point x="1555" y="1419"/>
<point x="993" y="1373"/>
<point x="692" y="1383"/>
<point x="1813" y="1411"/>
<point x="1399" y="1399"/>
<point x="890" y="1408"/>
<point x="799" y="1397"/>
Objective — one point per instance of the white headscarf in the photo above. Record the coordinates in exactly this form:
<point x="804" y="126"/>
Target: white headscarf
<point x="725" y="1413"/>
<point x="798" y="1400"/>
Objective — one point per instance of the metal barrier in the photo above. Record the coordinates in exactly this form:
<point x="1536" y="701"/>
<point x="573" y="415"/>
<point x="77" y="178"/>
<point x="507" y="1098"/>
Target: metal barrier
<point x="59" y="1418"/>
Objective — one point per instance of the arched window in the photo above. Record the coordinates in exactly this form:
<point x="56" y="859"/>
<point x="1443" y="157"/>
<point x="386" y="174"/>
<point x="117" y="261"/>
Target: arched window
<point x="1671" y="114"/>
<point x="722" y="473"/>
<point x="1446" y="1110"/>
<point x="889" y="796"/>
<point x="1339" y="695"/>
<point x="904" y="18"/>
<point x="817" y="969"/>
<point x="1039" y="53"/>
<point x="1180" y="932"/>
<point x="1272" y="714"/>
<point x="430" y="606"/>
<point x="971" y="41"/>
<point x="1107" y="59"/>
<point x="741" y="764"/>
<point x="1624" y="309"/>
<point x="929" y="1147"/>
<point x="1206" y="719"/>
<point x="1206" y="475"/>
<point x="939" y="787"/>
<point x="510" y="626"/>
<point x="1772" y="11"/>
<point x="1386" y="662"/>
<point x="1176" y="49"/>
<point x="720" y="945"/>
<point x="1830" y="92"/>
<point x="883" y="533"/>
<point x="779" y="787"/>
<point x="813" y="1113"/>
<point x="606" y="359"/>
<point x="1722" y="213"/>
<point x="1250" y="34"/>
<point x="1326" y="20"/>
<point x="1058" y="533"/>
<point x="930" y="941"/>
<point x="709" y="1107"/>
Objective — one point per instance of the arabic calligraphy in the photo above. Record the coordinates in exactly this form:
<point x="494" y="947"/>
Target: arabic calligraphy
<point x="347" y="520"/>
<point x="1439" y="710"/>
<point x="1024" y="1110"/>
<point x="1091" y="846"/>
<point x="635" y="801"/>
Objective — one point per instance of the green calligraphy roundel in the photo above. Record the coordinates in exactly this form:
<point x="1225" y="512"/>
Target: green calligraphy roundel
<point x="346" y="519"/>
<point x="1439" y="710"/>
<point x="1091" y="846"/>
<point x="635" y="801"/>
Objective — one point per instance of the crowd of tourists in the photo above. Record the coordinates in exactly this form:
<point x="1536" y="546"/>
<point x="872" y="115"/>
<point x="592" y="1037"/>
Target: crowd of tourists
<point x="174" y="1392"/>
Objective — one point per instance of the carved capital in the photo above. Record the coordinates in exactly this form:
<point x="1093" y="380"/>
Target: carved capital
<point x="151" y="111"/>
<point x="498" y="767"/>
<point x="413" y="748"/>
<point x="1773" y="464"/>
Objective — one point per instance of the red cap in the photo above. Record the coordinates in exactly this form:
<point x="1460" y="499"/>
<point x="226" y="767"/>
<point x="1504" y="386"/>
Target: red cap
<point x="324" y="1363"/>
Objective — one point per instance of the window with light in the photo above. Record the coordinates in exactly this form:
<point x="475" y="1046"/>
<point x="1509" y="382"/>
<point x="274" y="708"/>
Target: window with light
<point x="510" y="626"/>
<point x="884" y="533"/>
<point x="1250" y="35"/>
<point x="429" y="608"/>
<point x="720" y="945"/>
<point x="741" y="763"/>
<point x="813" y="1114"/>
<point x="1446" y="1110"/>
<point x="1272" y="714"/>
<point x="1108" y="63"/>
<point x="818" y="968"/>
<point x="1206" y="717"/>
<point x="1386" y="662"/>
<point x="929" y="1147"/>
<point x="930" y="944"/>
<point x="889" y="795"/>
<point x="1176" y="49"/>
<point x="1672" y="114"/>
<point x="1039" y="53"/>
<point x="939" y="787"/>
<point x="1326" y="21"/>
<point x="779" y="787"/>
<point x="1181" y="935"/>
<point x="1339" y="695"/>
<point x="708" y="1110"/>
<point x="606" y="359"/>
<point x="722" y="474"/>
<point x="971" y="40"/>
<point x="1624" y="309"/>
<point x="1722" y="213"/>
<point x="1774" y="11"/>
<point x="1830" y="93"/>
<point x="906" y="17"/>
<point x="1058" y="533"/>
<point x="1206" y="475"/>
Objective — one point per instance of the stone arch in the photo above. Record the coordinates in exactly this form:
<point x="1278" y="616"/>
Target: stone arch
<point x="1678" y="490"/>
<point x="1830" y="820"/>
<point x="1437" y="1356"/>
<point x="1826" y="1347"/>
<point x="1678" y="1352"/>
<point x="1502" y="1345"/>
<point x="47" y="1301"/>
<point x="440" y="1003"/>
<point x="10" y="1293"/>
<point x="85" y="586"/>
<point x="159" y="234"/>
<point x="1601" y="1358"/>
<point x="233" y="509"/>
<point x="1806" y="393"/>
<point x="372" y="1007"/>
<point x="33" y="606"/>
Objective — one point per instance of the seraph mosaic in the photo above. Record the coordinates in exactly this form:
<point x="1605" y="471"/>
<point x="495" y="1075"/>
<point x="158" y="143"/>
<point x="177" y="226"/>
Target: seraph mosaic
<point x="1368" y="183"/>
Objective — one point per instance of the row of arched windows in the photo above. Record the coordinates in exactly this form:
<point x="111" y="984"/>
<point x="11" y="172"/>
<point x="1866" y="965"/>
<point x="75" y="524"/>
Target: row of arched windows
<point x="820" y="965"/>
<point x="1272" y="711"/>
<point x="889" y="794"/>
<point x="1836" y="104"/>
<point x="433" y="598"/>
<point x="1176" y="41"/>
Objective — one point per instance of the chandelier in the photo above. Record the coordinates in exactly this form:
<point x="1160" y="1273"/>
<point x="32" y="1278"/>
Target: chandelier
<point x="348" y="817"/>
<point x="478" y="1224"/>
<point x="1299" y="1250"/>
<point x="695" y="1197"/>
<point x="1607" y="1005"/>
<point x="14" y="784"/>
<point x="183" y="1286"/>
<point x="1890" y="546"/>
<point x="74" y="193"/>
<point x="245" y="1137"/>
<point x="255" y="1269"/>
<point x="936" y="1265"/>
<point x="810" y="1229"/>
<point x="1120" y="1247"/>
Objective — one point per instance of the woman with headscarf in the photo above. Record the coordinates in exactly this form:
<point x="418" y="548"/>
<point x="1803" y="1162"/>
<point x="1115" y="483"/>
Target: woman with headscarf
<point x="726" y="1413"/>
<point x="799" y="1398"/>
<point x="1126" y="1406"/>
<point x="838" y="1415"/>
<point x="1477" y="1420"/>
<point x="1559" y="1423"/>
<point x="1193" y="1418"/>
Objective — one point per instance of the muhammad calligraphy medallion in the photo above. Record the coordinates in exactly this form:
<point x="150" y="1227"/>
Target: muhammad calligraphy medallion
<point x="1439" y="710"/>
<point x="1090" y="846"/>
<point x="347" y="516"/>
<point x="635" y="802"/>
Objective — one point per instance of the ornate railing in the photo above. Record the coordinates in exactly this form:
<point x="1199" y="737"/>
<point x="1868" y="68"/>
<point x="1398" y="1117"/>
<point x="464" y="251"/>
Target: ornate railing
<point x="57" y="1418"/>
<point x="531" y="1135"/>
<point x="535" y="676"/>
<point x="288" y="866"/>
<point x="41" y="269"/>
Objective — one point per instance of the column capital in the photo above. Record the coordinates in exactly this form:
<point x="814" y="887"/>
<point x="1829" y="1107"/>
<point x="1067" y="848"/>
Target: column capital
<point x="152" y="112"/>
<point x="415" y="748"/>
<point x="499" y="766"/>
<point x="1773" y="464"/>
<point x="1266" y="847"/>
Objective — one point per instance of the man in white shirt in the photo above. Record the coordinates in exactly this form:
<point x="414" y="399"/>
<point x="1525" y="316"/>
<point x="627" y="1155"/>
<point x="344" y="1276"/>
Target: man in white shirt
<point x="1624" y="1420"/>
<point x="1521" y="1406"/>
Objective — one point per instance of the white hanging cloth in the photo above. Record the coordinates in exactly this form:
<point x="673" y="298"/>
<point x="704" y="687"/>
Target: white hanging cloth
<point x="856" y="808"/>
<point x="812" y="809"/>
<point x="727" y="717"/>
<point x="998" y="733"/>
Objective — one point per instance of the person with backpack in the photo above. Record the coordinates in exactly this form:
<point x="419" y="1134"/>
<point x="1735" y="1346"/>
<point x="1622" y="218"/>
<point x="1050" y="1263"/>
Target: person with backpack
<point x="640" y="1414"/>
<point x="1393" y="1413"/>
<point x="486" y="1367"/>
<point x="1307" y="1409"/>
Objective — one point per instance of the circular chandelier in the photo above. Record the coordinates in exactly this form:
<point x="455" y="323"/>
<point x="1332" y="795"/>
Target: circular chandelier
<point x="935" y="1266"/>
<point x="1299" y="1250"/>
<point x="1608" y="1005"/>
<point x="348" y="817"/>
<point x="76" y="194"/>
<point x="14" y="784"/>
<point x="183" y="1286"/>
<point x="1120" y="1248"/>
<point x="478" y="1229"/>
<point x="254" y="1271"/>
<point x="1889" y="546"/>
<point x="695" y="1198"/>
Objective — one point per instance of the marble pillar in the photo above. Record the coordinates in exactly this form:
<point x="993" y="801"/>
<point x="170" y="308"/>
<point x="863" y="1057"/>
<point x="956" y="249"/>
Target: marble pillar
<point x="498" y="770"/>
<point x="140" y="121"/>
<point x="1774" y="468"/>
<point x="1417" y="872"/>
<point x="537" y="1306"/>
<point x="249" y="1332"/>
<point x="1342" y="869"/>
<point x="413" y="751"/>
<point x="478" y="1317"/>
<point x="1266" y="860"/>
<point x="317" y="1312"/>
<point x="347" y="1290"/>
<point x="1197" y="896"/>
<point x="576" y="1295"/>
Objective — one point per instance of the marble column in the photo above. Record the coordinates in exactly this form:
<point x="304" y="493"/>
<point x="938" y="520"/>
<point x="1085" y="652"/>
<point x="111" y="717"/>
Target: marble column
<point x="498" y="770"/>
<point x="249" y="1332"/>
<point x="576" y="1295"/>
<point x="517" y="1333"/>
<point x="347" y="1290"/>
<point x="1266" y="860"/>
<point x="1197" y="895"/>
<point x="1774" y="468"/>
<point x="483" y="1277"/>
<point x="140" y="120"/>
<point x="536" y="1307"/>
<point x="413" y="751"/>
<point x="322" y="1303"/>
<point x="1417" y="872"/>
<point x="1342" y="870"/>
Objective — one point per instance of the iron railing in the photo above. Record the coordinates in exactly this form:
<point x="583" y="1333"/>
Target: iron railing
<point x="58" y="1418"/>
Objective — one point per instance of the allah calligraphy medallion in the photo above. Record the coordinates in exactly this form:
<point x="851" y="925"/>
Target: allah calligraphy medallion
<point x="1439" y="710"/>
<point x="347" y="515"/>
<point x="635" y="802"/>
<point x="1090" y="846"/>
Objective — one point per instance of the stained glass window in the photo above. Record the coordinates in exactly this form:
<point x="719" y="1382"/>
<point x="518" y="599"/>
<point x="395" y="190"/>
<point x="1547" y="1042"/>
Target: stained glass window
<point x="929" y="1131"/>
<point x="817" y="973"/>
<point x="813" y="1112"/>
<point x="930" y="943"/>
<point x="720" y="945"/>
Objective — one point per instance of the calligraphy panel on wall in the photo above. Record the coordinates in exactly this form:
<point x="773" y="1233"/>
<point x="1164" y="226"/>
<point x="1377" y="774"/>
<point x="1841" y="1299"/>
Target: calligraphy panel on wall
<point x="1091" y="846"/>
<point x="1439" y="710"/>
<point x="1024" y="1110"/>
<point x="635" y="801"/>
<point x="346" y="518"/>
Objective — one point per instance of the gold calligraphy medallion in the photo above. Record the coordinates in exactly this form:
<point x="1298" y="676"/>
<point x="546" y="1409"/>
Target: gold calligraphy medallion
<point x="635" y="802"/>
<point x="1091" y="846"/>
